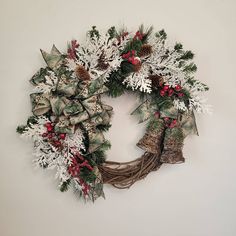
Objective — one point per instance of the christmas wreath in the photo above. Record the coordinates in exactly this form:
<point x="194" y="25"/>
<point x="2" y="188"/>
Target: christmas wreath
<point x="69" y="116"/>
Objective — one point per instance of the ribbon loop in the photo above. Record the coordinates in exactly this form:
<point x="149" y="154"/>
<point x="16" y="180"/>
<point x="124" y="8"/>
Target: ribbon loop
<point x="53" y="59"/>
<point x="58" y="104"/>
<point x="40" y="103"/>
<point x="188" y="124"/>
<point x="67" y="86"/>
<point x="145" y="110"/>
<point x="92" y="105"/>
<point x="73" y="108"/>
<point x="96" y="139"/>
<point x="64" y="126"/>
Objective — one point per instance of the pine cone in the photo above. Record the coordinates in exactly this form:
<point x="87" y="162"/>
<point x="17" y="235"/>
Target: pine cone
<point x="102" y="64"/>
<point x="145" y="50"/>
<point x="137" y="66"/>
<point x="157" y="80"/>
<point x="82" y="73"/>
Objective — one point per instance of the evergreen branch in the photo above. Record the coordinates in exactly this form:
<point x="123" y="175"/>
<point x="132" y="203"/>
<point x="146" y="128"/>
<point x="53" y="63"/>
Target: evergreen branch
<point x="161" y="34"/>
<point x="190" y="68"/>
<point x="112" y="32"/>
<point x="93" y="33"/>
<point x="21" y="129"/>
<point x="188" y="55"/>
<point x="64" y="186"/>
<point x="178" y="47"/>
<point x="103" y="127"/>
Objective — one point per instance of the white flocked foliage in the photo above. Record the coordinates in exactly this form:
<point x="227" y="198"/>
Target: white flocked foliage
<point x="139" y="80"/>
<point x="89" y="53"/>
<point x="49" y="84"/>
<point x="47" y="156"/>
<point x="166" y="65"/>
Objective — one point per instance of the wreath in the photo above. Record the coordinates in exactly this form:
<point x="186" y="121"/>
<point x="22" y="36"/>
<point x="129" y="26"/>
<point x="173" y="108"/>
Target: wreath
<point x="69" y="117"/>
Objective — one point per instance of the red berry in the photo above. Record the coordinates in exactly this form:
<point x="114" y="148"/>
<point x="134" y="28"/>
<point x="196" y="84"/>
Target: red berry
<point x="62" y="136"/>
<point x="44" y="135"/>
<point x="166" y="87"/>
<point x="173" y="123"/>
<point x="126" y="55"/>
<point x="49" y="128"/>
<point x="157" y="114"/>
<point x="170" y="92"/>
<point x="135" y="61"/>
<point x="57" y="143"/>
<point x="50" y="135"/>
<point x="162" y="93"/>
<point x="166" y="119"/>
<point x="178" y="87"/>
<point x="74" y="44"/>
<point x="47" y="124"/>
<point x="180" y="94"/>
<point x="131" y="59"/>
<point x="89" y="167"/>
<point x="138" y="35"/>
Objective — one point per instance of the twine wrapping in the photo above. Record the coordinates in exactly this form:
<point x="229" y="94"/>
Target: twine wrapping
<point x="124" y="175"/>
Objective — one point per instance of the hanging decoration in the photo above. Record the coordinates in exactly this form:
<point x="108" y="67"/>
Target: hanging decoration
<point x="69" y="117"/>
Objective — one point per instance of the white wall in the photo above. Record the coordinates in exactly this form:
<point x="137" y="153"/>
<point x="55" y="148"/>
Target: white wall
<point x="192" y="199"/>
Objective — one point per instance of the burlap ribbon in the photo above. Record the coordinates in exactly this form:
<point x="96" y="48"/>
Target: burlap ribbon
<point x="161" y="139"/>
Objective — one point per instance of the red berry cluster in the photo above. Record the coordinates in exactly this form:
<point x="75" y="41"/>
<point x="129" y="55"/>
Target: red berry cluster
<point x="85" y="186"/>
<point x="72" y="49"/>
<point x="157" y="114"/>
<point x="130" y="56"/>
<point x="74" y="169"/>
<point x="138" y="35"/>
<point x="169" y="91"/>
<point x="77" y="163"/>
<point x="169" y="122"/>
<point x="54" y="138"/>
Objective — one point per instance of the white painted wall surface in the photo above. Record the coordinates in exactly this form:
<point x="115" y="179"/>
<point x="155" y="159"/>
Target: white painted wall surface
<point x="192" y="199"/>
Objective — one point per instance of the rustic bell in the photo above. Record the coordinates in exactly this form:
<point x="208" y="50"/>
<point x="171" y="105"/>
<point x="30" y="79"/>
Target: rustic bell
<point x="151" y="141"/>
<point x="173" y="145"/>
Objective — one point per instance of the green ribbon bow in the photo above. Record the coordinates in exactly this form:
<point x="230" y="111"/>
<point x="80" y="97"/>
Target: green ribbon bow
<point x="186" y="120"/>
<point x="73" y="102"/>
